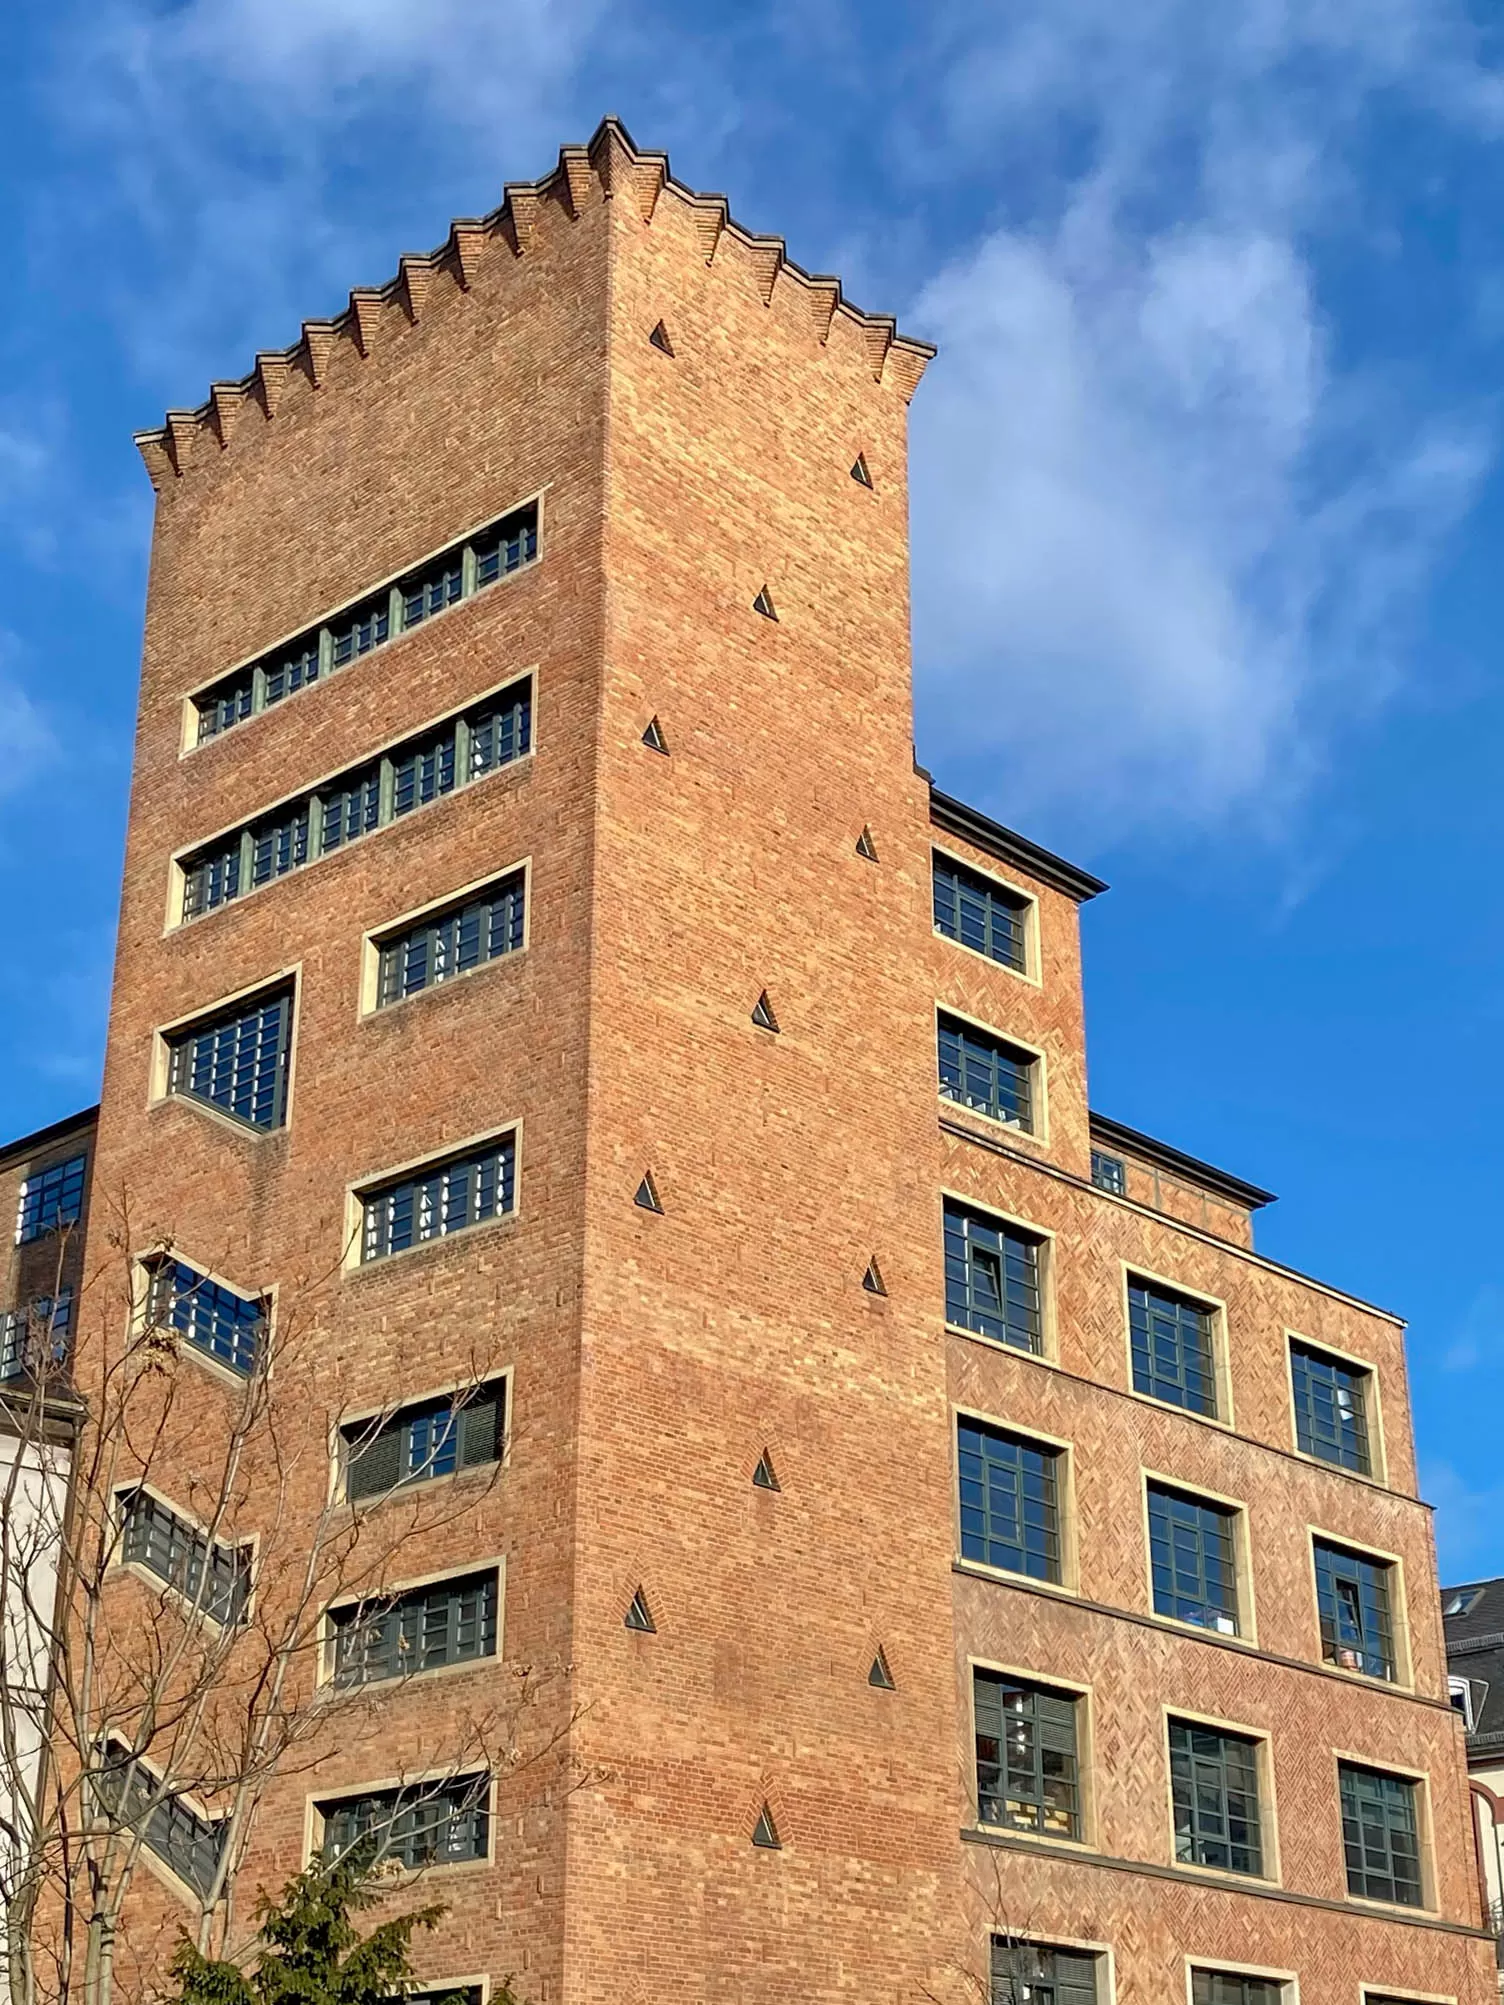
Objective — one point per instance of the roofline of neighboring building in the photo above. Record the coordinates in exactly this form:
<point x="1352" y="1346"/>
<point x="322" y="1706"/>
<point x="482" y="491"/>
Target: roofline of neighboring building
<point x="1219" y="1182"/>
<point x="30" y="1145"/>
<point x="1010" y="847"/>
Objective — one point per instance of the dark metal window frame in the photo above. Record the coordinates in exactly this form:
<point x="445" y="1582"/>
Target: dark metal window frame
<point x="1043" y="1973"/>
<point x="413" y="1825"/>
<point x="446" y="1194"/>
<point x="52" y="1198"/>
<point x="1109" y="1172"/>
<point x="1009" y="1487"/>
<point x="216" y="1320"/>
<point x="989" y="1074"/>
<point x="995" y="1278"/>
<point x="211" y="1575"/>
<point x="449" y="576"/>
<point x="246" y="1048"/>
<point x="35" y="1340"/>
<point x="1194" y="1560"/>
<point x="453" y="937"/>
<point x="1355" y="1606"/>
<point x="1172" y="1342"/>
<point x="425" y="1439"/>
<point x="1028" y="1754"/>
<point x="171" y="1830"/>
<point x="1381" y="1835"/>
<point x="1330" y="1396"/>
<point x="440" y="1624"/>
<point x="981" y="913"/>
<point x="1216" y="1795"/>
<point x="1234" y="1987"/>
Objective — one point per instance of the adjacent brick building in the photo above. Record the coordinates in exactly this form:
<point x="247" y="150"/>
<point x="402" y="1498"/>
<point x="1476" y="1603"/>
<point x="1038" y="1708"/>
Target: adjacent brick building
<point x="949" y="1553"/>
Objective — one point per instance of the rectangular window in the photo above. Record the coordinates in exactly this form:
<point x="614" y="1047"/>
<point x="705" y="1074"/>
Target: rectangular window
<point x="1010" y="1507"/>
<point x="464" y="1191"/>
<point x="992" y="1278"/>
<point x="980" y="914"/>
<point x="452" y="942"/>
<point x="237" y="1060"/>
<point x="1028" y="1973"/>
<point x="987" y="1075"/>
<point x="1214" y="1784"/>
<point x="188" y="1845"/>
<point x="1380" y="1835"/>
<point x="1227" y="1987"/>
<point x="1460" y="1696"/>
<point x="1331" y="1408"/>
<point x="435" y="1437"/>
<point x="1352" y="1600"/>
<point x="426" y="1824"/>
<point x="372" y="795"/>
<point x="1191" y="1557"/>
<point x="1171" y="1339"/>
<point x="446" y="1994"/>
<point x="228" y="1327"/>
<point x="1109" y="1173"/>
<point x="51" y="1199"/>
<point x="34" y="1340"/>
<point x="1027" y="1771"/>
<point x="451" y="1622"/>
<point x="455" y="574"/>
<point x="215" y="1577"/>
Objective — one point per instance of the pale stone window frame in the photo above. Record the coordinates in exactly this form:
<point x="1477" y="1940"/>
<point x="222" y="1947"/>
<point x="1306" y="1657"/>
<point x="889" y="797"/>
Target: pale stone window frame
<point x="1226" y="1416"/>
<point x="1085" y="1766"/>
<point x="1046" y="1238"/>
<point x="1242" y="1545"/>
<point x="1399" y="1609"/>
<point x="163" y="1035"/>
<point x="1425" y="1834"/>
<point x="313" y="1821"/>
<point x="376" y="937"/>
<point x="503" y="1375"/>
<point x="1068" y="1587"/>
<point x="489" y="1563"/>
<point x="1225" y="1966"/>
<point x="373" y="1181"/>
<point x="1032" y="970"/>
<point x="1378" y="1446"/>
<point x="1269" y="1833"/>
<point x="1037" y="1137"/>
<point x="251" y="1543"/>
<point x="140" y="1315"/>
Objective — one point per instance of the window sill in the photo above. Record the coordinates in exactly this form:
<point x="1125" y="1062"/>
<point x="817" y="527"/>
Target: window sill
<point x="1000" y="1344"/>
<point x="1047" y="1840"/>
<point x="1033" y="1138"/>
<point x="1025" y="974"/>
<point x="978" y="1569"/>
<point x="357" y="1270"/>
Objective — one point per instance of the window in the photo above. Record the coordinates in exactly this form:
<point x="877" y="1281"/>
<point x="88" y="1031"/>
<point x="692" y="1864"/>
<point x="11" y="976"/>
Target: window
<point x="1352" y="1599"/>
<point x="216" y="1578"/>
<point x="367" y="797"/>
<point x="189" y="1845"/>
<point x="1226" y="1987"/>
<point x="225" y="1326"/>
<point x="1380" y="1835"/>
<point x="980" y="914"/>
<point x="451" y="942"/>
<point x="426" y="1824"/>
<point x="981" y="1072"/>
<point x="451" y="1622"/>
<point x="1214" y="1785"/>
<point x="446" y="1994"/>
<point x="1010" y="1509"/>
<point x="1109" y="1173"/>
<point x="1331" y="1408"/>
<point x="1460" y="1693"/>
<point x="237" y="1060"/>
<point x="1191" y="1558"/>
<point x="1171" y="1339"/>
<point x="36" y="1337"/>
<point x="464" y="1191"/>
<point x="992" y="1278"/>
<point x="1026" y="1756"/>
<point x="461" y="1430"/>
<point x="1463" y="1602"/>
<point x="1026" y="1973"/>
<point x="442" y="582"/>
<point x="51" y="1199"/>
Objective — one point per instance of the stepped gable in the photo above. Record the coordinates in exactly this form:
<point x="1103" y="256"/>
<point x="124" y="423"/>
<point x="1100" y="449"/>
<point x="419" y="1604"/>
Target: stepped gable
<point x="612" y="161"/>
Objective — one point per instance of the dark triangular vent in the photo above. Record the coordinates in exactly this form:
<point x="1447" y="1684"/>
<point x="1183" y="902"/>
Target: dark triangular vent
<point x="763" y="604"/>
<point x="766" y="1833"/>
<point x="653" y="737"/>
<point x="660" y="340"/>
<point x="763" y="1476"/>
<point x="865" y="846"/>
<point x="638" y="1616"/>
<point x="873" y="1280"/>
<point x="880" y="1675"/>
<point x="647" y="1193"/>
<point x="859" y="471"/>
<point x="763" y="1015"/>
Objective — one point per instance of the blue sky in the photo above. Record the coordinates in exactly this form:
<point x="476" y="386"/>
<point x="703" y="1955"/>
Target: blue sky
<point x="1207" y="499"/>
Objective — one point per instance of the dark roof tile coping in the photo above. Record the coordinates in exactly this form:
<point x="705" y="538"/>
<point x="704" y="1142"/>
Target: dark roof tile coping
<point x="1009" y="847"/>
<point x="1176" y="1163"/>
<point x="43" y="1138"/>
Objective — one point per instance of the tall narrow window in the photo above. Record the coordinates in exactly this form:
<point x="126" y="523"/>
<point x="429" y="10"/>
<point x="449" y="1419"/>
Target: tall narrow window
<point x="35" y="1340"/>
<point x="986" y="1074"/>
<point x="1229" y="1987"/>
<point x="1331" y="1408"/>
<point x="980" y="913"/>
<point x="216" y="1578"/>
<point x="460" y="1192"/>
<point x="403" y="1635"/>
<point x="426" y="1824"/>
<point x="1027" y="1973"/>
<point x="1380" y="1835"/>
<point x="992" y="1278"/>
<point x="1171" y="1338"/>
<point x="1027" y="1766"/>
<point x="237" y="1060"/>
<point x="225" y="1326"/>
<point x="1192" y="1559"/>
<point x="1353" y="1601"/>
<point x="452" y="942"/>
<point x="431" y="1438"/>
<point x="1010" y="1505"/>
<point x="1214" y="1784"/>
<point x="188" y="1845"/>
<point x="51" y="1199"/>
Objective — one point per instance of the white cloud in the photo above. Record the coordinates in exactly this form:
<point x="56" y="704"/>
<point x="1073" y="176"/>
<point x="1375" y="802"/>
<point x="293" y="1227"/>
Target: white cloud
<point x="27" y="741"/>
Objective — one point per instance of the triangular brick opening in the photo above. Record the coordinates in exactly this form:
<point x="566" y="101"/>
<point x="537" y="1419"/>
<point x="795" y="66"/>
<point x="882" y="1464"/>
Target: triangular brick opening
<point x="639" y="1616"/>
<point x="660" y="340"/>
<point x="763" y="1015"/>
<point x="859" y="471"/>
<point x="647" y="1198"/>
<point x="764" y="1476"/>
<point x="653" y="737"/>
<point x="766" y="1833"/>
<point x="763" y="604"/>
<point x="865" y="846"/>
<point x="873" y="1280"/>
<point x="880" y="1675"/>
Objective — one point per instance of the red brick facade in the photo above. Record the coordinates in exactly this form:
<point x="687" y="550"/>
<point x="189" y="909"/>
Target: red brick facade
<point x="656" y="1356"/>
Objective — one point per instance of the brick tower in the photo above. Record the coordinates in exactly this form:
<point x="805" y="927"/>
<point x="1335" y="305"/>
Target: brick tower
<point x="946" y="1552"/>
